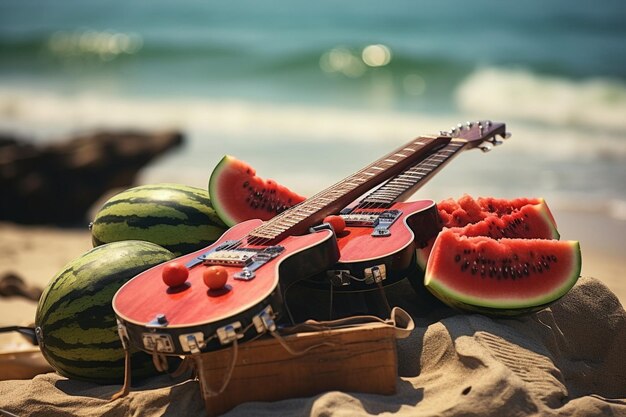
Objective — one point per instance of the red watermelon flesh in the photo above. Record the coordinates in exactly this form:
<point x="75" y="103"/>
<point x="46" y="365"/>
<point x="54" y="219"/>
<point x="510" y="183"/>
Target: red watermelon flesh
<point x="467" y="210"/>
<point x="238" y="194"/>
<point x="505" y="276"/>
<point x="528" y="218"/>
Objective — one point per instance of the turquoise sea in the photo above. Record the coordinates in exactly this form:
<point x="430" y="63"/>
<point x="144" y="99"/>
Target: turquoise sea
<point x="309" y="92"/>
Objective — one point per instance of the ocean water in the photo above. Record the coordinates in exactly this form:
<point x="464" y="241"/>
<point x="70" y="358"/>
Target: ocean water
<point x="309" y="92"/>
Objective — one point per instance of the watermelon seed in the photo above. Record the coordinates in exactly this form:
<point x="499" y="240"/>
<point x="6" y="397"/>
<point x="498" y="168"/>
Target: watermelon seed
<point x="474" y="270"/>
<point x="457" y="258"/>
<point x="553" y="258"/>
<point x="245" y="184"/>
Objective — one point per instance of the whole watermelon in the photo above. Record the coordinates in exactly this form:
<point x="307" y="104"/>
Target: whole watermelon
<point x="177" y="217"/>
<point x="76" y="325"/>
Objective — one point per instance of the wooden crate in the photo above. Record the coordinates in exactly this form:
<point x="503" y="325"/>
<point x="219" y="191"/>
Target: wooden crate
<point x="356" y="359"/>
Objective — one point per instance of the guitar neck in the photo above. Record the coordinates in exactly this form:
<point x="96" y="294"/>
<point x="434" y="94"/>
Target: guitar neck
<point x="402" y="186"/>
<point x="298" y="219"/>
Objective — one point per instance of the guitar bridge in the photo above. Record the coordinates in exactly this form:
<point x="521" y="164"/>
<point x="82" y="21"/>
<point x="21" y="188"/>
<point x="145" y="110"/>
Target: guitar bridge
<point x="384" y="222"/>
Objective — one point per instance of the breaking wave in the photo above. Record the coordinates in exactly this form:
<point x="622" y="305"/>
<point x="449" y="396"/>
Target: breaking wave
<point x="597" y="103"/>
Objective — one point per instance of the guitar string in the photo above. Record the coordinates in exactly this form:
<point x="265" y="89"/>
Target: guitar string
<point x="309" y="207"/>
<point x="391" y="190"/>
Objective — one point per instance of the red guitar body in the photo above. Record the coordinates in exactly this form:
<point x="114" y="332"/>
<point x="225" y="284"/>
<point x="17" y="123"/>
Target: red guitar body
<point x="152" y="312"/>
<point x="368" y="259"/>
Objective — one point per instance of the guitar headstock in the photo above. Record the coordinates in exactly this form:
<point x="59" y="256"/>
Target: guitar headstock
<point x="481" y="134"/>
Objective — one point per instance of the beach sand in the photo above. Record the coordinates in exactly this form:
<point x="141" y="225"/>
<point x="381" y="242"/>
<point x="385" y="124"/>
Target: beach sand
<point x="565" y="360"/>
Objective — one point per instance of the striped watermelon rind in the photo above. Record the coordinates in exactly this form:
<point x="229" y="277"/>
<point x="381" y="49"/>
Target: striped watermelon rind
<point x="75" y="319"/>
<point x="178" y="217"/>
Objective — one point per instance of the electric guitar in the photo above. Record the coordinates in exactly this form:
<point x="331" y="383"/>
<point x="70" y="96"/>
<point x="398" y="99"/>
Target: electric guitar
<point x="258" y="260"/>
<point x="378" y="244"/>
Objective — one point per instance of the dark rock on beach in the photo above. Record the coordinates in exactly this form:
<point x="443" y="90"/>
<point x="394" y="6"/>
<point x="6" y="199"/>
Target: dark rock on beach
<point x="57" y="183"/>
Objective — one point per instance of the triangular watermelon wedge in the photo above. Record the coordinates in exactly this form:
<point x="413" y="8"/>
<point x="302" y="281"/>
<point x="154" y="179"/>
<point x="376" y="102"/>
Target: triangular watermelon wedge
<point x="501" y="277"/>
<point x="238" y="194"/>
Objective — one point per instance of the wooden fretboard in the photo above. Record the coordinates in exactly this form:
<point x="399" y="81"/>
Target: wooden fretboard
<point x="298" y="219"/>
<point x="402" y="186"/>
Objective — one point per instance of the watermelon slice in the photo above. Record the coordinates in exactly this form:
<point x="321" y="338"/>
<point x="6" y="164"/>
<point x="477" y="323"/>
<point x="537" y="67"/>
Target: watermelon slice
<point x="501" y="277"/>
<point x="467" y="210"/>
<point x="498" y="218"/>
<point x="238" y="194"/>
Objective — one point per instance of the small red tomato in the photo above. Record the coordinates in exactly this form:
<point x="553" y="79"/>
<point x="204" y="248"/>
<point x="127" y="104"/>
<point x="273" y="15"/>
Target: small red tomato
<point x="337" y="222"/>
<point x="174" y="274"/>
<point x="215" y="277"/>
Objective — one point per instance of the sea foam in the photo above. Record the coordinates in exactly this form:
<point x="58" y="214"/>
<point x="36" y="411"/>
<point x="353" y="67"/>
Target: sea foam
<point x="47" y="114"/>
<point x="595" y="103"/>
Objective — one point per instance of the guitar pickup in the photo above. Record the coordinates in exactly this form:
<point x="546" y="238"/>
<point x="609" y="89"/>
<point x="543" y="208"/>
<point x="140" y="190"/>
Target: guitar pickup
<point x="227" y="257"/>
<point x="360" y="220"/>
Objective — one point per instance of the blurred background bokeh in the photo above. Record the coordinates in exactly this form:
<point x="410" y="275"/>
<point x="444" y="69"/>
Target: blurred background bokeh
<point x="308" y="92"/>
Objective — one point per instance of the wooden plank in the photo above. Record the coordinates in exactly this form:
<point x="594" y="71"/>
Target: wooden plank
<point x="357" y="359"/>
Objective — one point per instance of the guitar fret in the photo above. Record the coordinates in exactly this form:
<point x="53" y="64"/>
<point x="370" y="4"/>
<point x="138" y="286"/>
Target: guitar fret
<point x="402" y="181"/>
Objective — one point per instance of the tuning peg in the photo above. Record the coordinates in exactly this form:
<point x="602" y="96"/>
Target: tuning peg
<point x="485" y="147"/>
<point x="495" y="141"/>
<point x="469" y="124"/>
<point x="506" y="135"/>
